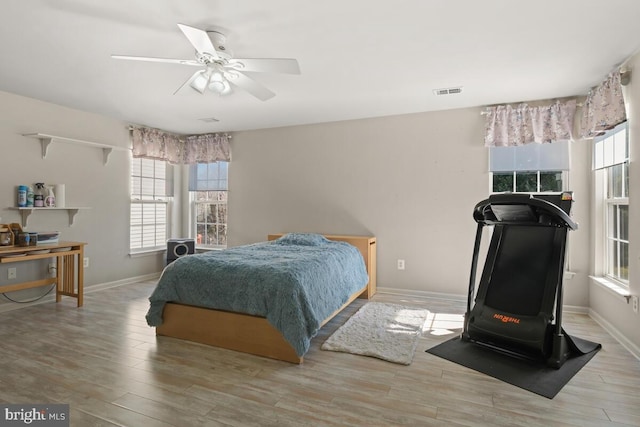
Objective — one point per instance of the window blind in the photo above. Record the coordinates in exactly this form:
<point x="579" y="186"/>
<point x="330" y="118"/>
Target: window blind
<point x="209" y="176"/>
<point x="612" y="148"/>
<point x="530" y="157"/>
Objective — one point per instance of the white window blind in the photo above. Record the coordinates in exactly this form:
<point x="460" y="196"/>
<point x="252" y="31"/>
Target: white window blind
<point x="612" y="148"/>
<point x="530" y="157"/>
<point x="149" y="204"/>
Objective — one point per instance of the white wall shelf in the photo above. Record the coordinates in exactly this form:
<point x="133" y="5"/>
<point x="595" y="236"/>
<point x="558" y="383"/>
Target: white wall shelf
<point x="46" y="140"/>
<point x="26" y="212"/>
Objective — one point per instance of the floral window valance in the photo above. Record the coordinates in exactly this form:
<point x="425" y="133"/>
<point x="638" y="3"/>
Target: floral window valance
<point x="206" y="148"/>
<point x="604" y="107"/>
<point x="506" y="125"/>
<point x="159" y="145"/>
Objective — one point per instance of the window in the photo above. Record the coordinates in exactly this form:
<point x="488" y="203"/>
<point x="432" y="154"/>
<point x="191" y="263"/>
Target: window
<point x="611" y="163"/>
<point x="149" y="205"/>
<point x="530" y="168"/>
<point x="208" y="186"/>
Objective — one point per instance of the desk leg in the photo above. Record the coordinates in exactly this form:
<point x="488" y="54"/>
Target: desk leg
<point x="80" y="276"/>
<point x="59" y="279"/>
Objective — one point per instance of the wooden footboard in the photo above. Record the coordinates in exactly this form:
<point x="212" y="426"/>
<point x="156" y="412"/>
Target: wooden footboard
<point x="252" y="334"/>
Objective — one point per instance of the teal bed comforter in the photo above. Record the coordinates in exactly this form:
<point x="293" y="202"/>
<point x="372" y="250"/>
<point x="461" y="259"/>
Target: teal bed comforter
<point x="295" y="282"/>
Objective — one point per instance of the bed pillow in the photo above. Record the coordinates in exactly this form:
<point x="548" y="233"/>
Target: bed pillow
<point x="302" y="239"/>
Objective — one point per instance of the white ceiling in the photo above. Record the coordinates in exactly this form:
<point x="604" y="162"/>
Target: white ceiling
<point x="359" y="58"/>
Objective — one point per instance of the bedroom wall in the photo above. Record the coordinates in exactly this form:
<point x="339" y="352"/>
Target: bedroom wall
<point x="102" y="188"/>
<point x="412" y="181"/>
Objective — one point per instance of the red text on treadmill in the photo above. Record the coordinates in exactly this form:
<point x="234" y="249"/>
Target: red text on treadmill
<point x="506" y="319"/>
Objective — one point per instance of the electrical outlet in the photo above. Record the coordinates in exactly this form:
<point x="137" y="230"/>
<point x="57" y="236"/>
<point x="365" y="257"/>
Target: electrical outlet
<point x="52" y="269"/>
<point x="11" y="273"/>
<point x="85" y="262"/>
<point x="634" y="303"/>
<point x="400" y="264"/>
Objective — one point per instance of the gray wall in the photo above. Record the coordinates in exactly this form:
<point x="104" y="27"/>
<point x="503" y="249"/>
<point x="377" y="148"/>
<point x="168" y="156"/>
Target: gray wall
<point x="102" y="188"/>
<point x="412" y="181"/>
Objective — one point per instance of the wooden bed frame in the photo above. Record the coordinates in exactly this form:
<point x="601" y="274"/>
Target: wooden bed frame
<point x="254" y="334"/>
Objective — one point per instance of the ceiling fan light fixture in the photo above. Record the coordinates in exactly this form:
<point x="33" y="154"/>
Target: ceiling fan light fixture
<point x="218" y="84"/>
<point x="199" y="82"/>
<point x="212" y="80"/>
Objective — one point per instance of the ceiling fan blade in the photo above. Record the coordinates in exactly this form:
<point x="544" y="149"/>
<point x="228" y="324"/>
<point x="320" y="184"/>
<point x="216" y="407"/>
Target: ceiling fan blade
<point x="247" y="83"/>
<point x="267" y="65"/>
<point x="191" y="80"/>
<point x="164" y="60"/>
<point x="200" y="40"/>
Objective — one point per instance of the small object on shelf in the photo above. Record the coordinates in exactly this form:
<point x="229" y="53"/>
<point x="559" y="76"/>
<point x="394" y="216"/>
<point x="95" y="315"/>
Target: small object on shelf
<point x="38" y="195"/>
<point x="48" y="238"/>
<point x="30" y="196"/>
<point x="23" y="239"/>
<point x="60" y="202"/>
<point x="50" y="199"/>
<point x="6" y="236"/>
<point x="15" y="230"/>
<point x="22" y="196"/>
<point x="33" y="239"/>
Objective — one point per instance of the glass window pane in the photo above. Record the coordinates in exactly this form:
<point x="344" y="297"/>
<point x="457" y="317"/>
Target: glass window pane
<point x="146" y="167"/>
<point x="614" y="181"/>
<point x="613" y="257"/>
<point x="608" y="151"/>
<point x="502" y="182"/>
<point x="624" y="261"/>
<point x="527" y="182"/>
<point x="625" y="173"/>
<point x="159" y="187"/>
<point x="135" y="167"/>
<point x="598" y="155"/>
<point x="612" y="231"/>
<point x="550" y="181"/>
<point x="620" y="146"/>
<point x="624" y="222"/>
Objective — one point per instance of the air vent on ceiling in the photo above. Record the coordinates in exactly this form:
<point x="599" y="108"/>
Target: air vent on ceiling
<point x="209" y="120"/>
<point x="448" y="90"/>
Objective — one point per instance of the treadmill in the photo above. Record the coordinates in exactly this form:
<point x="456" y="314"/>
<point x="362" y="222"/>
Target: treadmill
<point x="518" y="305"/>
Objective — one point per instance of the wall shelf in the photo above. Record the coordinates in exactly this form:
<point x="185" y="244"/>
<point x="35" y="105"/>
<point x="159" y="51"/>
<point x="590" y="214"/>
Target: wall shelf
<point x="46" y="140"/>
<point x="26" y="212"/>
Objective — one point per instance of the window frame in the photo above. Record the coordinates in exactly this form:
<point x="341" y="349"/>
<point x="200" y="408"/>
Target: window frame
<point x="156" y="198"/>
<point x="564" y="186"/>
<point x="221" y="198"/>
<point x="606" y="201"/>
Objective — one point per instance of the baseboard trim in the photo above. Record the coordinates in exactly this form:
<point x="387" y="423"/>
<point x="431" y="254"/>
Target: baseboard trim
<point x="458" y="298"/>
<point x="615" y="333"/>
<point x="9" y="306"/>
<point x="422" y="294"/>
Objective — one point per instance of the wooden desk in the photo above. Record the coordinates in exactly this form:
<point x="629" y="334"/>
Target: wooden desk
<point x="69" y="278"/>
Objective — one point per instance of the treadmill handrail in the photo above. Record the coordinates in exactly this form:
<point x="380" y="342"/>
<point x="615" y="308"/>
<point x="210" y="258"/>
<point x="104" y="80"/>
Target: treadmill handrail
<point x="520" y="199"/>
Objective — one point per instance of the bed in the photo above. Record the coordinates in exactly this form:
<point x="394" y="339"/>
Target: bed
<point x="251" y="313"/>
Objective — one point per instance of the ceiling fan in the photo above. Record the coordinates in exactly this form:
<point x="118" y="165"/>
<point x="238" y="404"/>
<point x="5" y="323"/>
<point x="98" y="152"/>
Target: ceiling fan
<point x="221" y="70"/>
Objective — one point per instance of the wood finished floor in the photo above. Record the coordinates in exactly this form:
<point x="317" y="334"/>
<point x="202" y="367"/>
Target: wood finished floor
<point x="105" y="362"/>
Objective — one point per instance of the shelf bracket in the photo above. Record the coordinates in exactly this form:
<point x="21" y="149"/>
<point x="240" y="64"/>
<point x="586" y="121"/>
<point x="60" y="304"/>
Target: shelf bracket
<point x="105" y="154"/>
<point x="24" y="213"/>
<point x="45" y="145"/>
<point x="72" y="215"/>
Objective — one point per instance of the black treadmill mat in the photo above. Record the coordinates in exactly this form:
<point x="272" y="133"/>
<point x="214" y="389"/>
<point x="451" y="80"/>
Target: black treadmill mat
<point x="533" y="376"/>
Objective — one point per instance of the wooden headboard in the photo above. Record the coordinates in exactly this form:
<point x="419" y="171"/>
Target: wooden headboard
<point x="367" y="247"/>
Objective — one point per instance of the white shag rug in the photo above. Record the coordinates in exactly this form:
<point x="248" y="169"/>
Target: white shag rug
<point x="387" y="331"/>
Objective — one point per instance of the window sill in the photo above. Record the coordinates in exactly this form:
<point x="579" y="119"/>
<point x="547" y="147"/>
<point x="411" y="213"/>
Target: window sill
<point x="611" y="286"/>
<point x="207" y="249"/>
<point x="146" y="252"/>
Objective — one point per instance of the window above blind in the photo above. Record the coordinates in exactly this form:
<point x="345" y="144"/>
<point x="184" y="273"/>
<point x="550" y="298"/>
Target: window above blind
<point x="530" y="157"/>
<point x="612" y="148"/>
